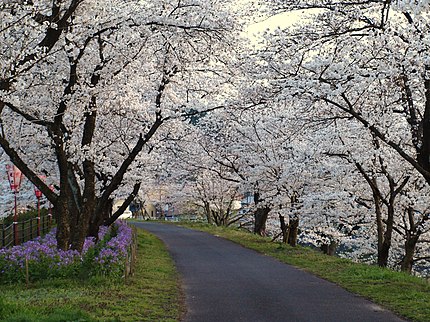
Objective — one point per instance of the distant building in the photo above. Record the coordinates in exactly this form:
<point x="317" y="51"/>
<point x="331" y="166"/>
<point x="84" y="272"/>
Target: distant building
<point x="127" y="213"/>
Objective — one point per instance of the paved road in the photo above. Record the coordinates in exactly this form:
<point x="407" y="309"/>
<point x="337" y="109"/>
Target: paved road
<point x="224" y="282"/>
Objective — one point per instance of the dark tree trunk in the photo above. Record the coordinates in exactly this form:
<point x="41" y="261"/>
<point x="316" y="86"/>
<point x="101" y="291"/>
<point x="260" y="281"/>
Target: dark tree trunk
<point x="260" y="215"/>
<point x="89" y="204"/>
<point x="383" y="253"/>
<point x="412" y="236"/>
<point x="208" y="214"/>
<point x="408" y="259"/>
<point x="83" y="226"/>
<point x="74" y="217"/>
<point x="98" y="219"/>
<point x="384" y="250"/>
<point x="332" y="248"/>
<point x="284" y="229"/>
<point x="260" y="218"/>
<point x="293" y="220"/>
<point x="214" y="217"/>
<point x="63" y="224"/>
<point x="293" y="230"/>
<point x="329" y="249"/>
<point x="423" y="153"/>
<point x="383" y="247"/>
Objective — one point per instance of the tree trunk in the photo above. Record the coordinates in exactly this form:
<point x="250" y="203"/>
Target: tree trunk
<point x="383" y="249"/>
<point x="65" y="221"/>
<point x="82" y="230"/>
<point x="214" y="216"/>
<point x="332" y="248"/>
<point x="63" y="224"/>
<point x="293" y="230"/>
<point x="74" y="217"/>
<point x="383" y="253"/>
<point x="423" y="153"/>
<point x="408" y="259"/>
<point x="98" y="219"/>
<point x="284" y="229"/>
<point x="260" y="218"/>
<point x="208" y="213"/>
<point x="329" y="249"/>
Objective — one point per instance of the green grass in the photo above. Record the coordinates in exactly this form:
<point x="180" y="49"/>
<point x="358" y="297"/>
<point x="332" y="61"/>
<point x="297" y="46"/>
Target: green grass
<point x="152" y="294"/>
<point x="403" y="294"/>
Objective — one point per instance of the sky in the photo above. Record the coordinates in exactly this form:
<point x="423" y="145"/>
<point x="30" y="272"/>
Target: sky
<point x="282" y="20"/>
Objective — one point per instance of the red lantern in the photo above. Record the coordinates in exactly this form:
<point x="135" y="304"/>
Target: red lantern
<point x="15" y="177"/>
<point x="37" y="192"/>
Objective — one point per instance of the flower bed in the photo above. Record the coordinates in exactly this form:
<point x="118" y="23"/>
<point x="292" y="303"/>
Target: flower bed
<point x="41" y="258"/>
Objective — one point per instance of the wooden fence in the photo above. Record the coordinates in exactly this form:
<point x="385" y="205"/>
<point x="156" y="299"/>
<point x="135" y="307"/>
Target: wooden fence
<point x="20" y="232"/>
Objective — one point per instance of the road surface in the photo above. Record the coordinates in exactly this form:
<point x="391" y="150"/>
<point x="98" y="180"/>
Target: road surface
<point x="225" y="282"/>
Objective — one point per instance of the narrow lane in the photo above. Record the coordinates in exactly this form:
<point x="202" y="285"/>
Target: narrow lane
<point x="224" y="282"/>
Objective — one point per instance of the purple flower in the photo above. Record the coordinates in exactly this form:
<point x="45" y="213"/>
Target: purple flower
<point x="43" y="254"/>
<point x="115" y="251"/>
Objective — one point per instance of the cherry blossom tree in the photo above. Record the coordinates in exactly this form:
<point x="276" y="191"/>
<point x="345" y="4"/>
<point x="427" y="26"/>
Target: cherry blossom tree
<point x="86" y="85"/>
<point x="364" y="62"/>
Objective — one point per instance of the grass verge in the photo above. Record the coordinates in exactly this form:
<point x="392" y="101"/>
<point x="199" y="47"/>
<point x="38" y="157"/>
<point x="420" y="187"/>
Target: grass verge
<point x="152" y="294"/>
<point x="403" y="294"/>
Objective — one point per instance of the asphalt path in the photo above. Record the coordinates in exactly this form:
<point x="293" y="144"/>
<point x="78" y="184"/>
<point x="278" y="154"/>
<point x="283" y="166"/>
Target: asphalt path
<point x="225" y="282"/>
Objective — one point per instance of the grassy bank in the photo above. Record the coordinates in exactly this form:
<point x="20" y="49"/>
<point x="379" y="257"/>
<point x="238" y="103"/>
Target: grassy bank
<point x="406" y="295"/>
<point x="152" y="294"/>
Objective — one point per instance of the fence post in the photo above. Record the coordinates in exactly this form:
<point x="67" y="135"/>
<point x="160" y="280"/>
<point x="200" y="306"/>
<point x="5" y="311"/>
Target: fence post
<point x="21" y="231"/>
<point x="27" y="279"/>
<point x="133" y="251"/>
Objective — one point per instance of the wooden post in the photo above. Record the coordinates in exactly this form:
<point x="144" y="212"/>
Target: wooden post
<point x="27" y="279"/>
<point x="134" y="254"/>
<point x="126" y="267"/>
